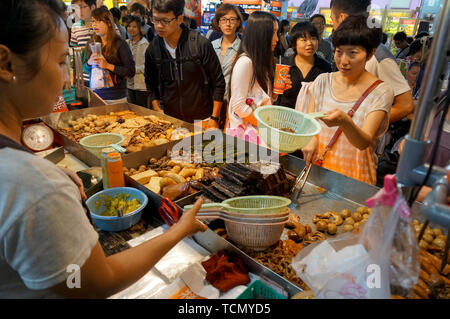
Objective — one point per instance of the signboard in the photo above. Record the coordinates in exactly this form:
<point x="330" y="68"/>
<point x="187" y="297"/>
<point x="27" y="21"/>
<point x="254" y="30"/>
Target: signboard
<point x="275" y="8"/>
<point x="407" y="26"/>
<point x="193" y="10"/>
<point x="249" y="6"/>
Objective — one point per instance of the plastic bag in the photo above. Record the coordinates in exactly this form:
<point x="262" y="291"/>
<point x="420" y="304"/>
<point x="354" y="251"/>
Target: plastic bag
<point x="364" y="264"/>
<point x="100" y="78"/>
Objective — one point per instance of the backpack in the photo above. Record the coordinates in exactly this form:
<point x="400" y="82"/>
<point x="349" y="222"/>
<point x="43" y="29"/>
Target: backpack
<point x="193" y="44"/>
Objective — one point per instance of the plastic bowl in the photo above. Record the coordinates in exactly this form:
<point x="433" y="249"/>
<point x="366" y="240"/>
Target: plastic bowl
<point x="96" y="142"/>
<point x="114" y="223"/>
<point x="272" y="118"/>
<point x="255" y="236"/>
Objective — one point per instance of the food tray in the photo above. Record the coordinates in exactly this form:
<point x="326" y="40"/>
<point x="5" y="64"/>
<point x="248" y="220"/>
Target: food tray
<point x="57" y="120"/>
<point x="134" y="160"/>
<point x="325" y="190"/>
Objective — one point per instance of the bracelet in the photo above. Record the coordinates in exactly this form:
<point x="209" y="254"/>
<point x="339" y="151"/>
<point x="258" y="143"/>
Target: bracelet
<point x="215" y="118"/>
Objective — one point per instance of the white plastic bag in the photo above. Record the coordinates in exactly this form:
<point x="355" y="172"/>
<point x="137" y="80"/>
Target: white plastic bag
<point x="100" y="78"/>
<point x="365" y="264"/>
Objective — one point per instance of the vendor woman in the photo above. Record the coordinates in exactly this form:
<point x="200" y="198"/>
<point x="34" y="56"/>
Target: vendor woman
<point x="43" y="227"/>
<point x="335" y="94"/>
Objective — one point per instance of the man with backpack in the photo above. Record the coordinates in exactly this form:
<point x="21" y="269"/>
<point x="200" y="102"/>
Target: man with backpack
<point x="182" y="71"/>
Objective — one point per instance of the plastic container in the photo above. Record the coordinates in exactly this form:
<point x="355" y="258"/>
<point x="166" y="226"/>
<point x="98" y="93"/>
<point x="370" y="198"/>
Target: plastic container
<point x="96" y="142"/>
<point x="254" y="236"/>
<point x="259" y="290"/>
<point x="114" y="167"/>
<point x="269" y="206"/>
<point x="272" y="118"/>
<point x="103" y="161"/>
<point x="114" y="223"/>
<point x="281" y="72"/>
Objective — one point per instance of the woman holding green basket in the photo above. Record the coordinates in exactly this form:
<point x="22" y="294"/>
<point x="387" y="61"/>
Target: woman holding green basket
<point x="252" y="76"/>
<point x="355" y="103"/>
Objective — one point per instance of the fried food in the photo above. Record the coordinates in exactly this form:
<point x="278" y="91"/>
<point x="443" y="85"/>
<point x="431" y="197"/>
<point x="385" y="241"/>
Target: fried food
<point x="278" y="258"/>
<point x="139" y="131"/>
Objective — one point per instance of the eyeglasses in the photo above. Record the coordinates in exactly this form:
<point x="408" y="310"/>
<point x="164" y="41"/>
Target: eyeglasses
<point x="82" y="7"/>
<point x="307" y="39"/>
<point x="163" y="22"/>
<point x="230" y="20"/>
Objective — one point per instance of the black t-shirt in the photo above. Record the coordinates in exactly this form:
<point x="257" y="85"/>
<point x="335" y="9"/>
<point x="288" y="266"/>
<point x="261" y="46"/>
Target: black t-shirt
<point x="290" y="96"/>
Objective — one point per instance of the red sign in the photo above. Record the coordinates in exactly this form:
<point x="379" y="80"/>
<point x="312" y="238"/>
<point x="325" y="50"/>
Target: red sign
<point x="275" y="8"/>
<point x="193" y="10"/>
<point x="249" y="6"/>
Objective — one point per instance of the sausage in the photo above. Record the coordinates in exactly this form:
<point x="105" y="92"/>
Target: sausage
<point x="397" y="297"/>
<point x="429" y="268"/>
<point x="424" y="276"/>
<point x="420" y="292"/>
<point x="424" y="286"/>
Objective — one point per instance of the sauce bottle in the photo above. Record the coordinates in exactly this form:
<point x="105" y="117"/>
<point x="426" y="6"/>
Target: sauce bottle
<point x="103" y="160"/>
<point x="115" y="170"/>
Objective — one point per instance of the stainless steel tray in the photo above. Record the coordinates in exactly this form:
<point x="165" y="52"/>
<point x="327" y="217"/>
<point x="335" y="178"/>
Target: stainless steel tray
<point x="336" y="192"/>
<point x="58" y="120"/>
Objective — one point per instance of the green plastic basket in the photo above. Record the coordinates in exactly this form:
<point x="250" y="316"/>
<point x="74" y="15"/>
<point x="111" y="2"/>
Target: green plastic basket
<point x="259" y="290"/>
<point x="257" y="205"/>
<point x="272" y="118"/>
<point x="96" y="142"/>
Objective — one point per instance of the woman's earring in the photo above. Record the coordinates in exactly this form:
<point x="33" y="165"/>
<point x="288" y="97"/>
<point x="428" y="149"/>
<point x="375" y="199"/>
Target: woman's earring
<point x="14" y="78"/>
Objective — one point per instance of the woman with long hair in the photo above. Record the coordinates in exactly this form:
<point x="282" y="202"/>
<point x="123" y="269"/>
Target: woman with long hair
<point x="115" y="58"/>
<point x="46" y="237"/>
<point x="252" y="76"/>
<point x="305" y="64"/>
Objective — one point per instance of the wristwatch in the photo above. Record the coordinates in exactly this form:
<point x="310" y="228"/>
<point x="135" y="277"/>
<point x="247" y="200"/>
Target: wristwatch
<point x="215" y="118"/>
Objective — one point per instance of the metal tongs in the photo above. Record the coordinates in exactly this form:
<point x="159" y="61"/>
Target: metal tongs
<point x="300" y="182"/>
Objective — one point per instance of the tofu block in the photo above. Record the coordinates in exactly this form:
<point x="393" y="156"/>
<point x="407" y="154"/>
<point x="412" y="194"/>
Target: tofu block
<point x="155" y="184"/>
<point x="144" y="177"/>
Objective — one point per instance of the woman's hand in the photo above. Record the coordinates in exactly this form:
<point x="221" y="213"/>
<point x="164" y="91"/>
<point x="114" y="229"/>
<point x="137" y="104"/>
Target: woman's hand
<point x="287" y="82"/>
<point x="336" y="117"/>
<point x="76" y="179"/>
<point x="102" y="63"/>
<point x="92" y="60"/>
<point x="212" y="124"/>
<point x="310" y="150"/>
<point x="188" y="224"/>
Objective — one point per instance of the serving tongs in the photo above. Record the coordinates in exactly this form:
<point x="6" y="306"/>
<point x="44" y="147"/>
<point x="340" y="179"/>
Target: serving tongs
<point x="300" y="182"/>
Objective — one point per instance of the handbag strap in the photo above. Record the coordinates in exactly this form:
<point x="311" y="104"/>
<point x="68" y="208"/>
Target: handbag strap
<point x="338" y="132"/>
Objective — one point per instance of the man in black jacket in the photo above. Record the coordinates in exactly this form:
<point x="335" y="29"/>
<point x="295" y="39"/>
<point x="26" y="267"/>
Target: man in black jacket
<point x="182" y="70"/>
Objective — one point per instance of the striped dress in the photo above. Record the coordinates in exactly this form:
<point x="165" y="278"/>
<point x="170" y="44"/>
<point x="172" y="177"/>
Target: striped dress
<point x="345" y="158"/>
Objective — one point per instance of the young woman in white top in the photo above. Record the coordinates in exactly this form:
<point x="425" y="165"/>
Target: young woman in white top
<point x="336" y="93"/>
<point x="137" y="90"/>
<point x="44" y="231"/>
<point x="252" y="76"/>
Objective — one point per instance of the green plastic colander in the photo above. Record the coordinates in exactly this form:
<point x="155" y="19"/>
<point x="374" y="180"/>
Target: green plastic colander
<point x="273" y="118"/>
<point x="255" y="205"/>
